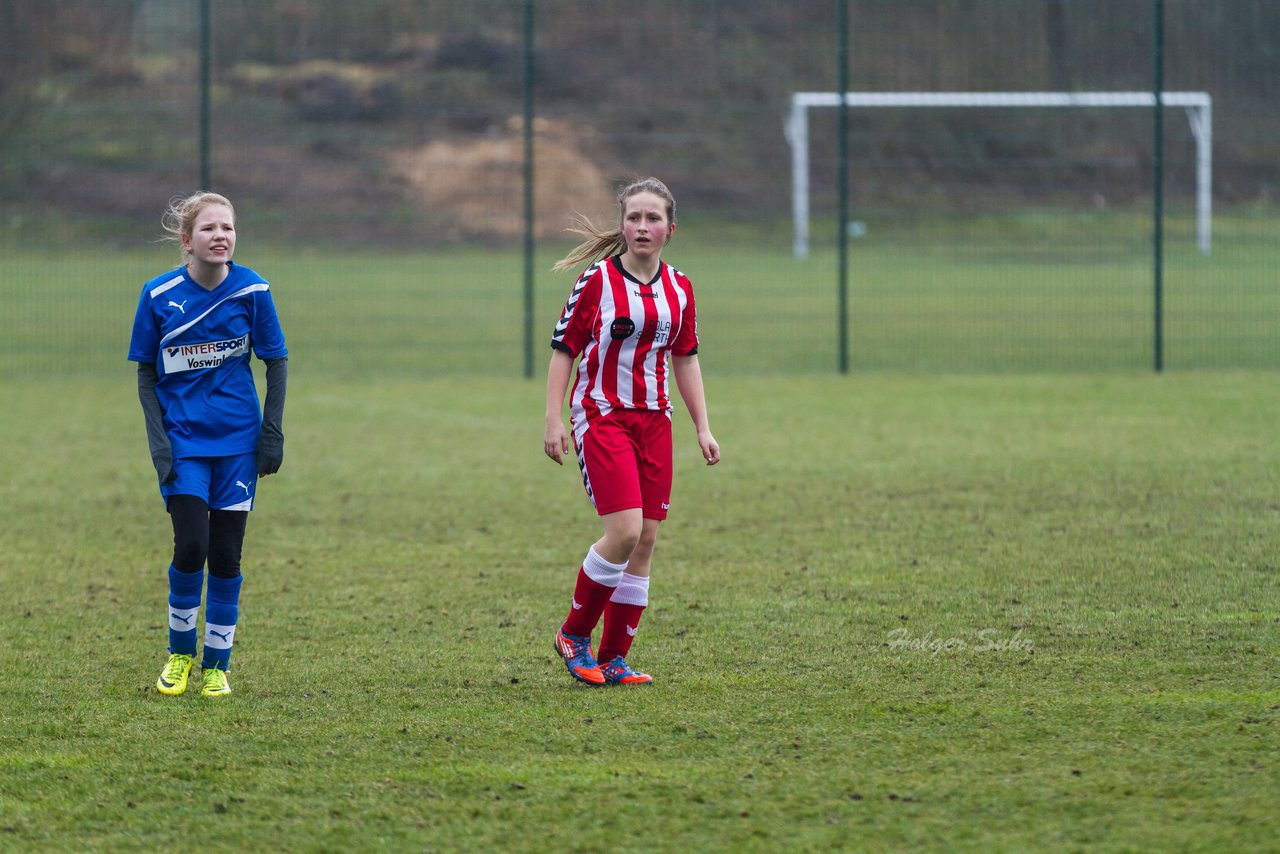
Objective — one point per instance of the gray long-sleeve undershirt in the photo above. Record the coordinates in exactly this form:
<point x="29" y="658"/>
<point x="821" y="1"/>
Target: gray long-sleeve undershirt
<point x="271" y="438"/>
<point x="157" y="439"/>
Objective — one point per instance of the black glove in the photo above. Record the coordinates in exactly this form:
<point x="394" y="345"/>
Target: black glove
<point x="270" y="453"/>
<point x="163" y="461"/>
<point x="271" y="438"/>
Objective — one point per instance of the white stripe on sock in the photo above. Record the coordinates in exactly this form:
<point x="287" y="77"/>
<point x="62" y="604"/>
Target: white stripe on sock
<point x="182" y="619"/>
<point x="218" y="637"/>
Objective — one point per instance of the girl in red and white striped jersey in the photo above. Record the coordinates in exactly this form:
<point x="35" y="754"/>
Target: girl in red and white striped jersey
<point x="628" y="312"/>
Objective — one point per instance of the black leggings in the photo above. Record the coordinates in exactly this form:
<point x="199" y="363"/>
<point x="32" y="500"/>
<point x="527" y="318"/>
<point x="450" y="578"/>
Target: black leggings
<point x="200" y="533"/>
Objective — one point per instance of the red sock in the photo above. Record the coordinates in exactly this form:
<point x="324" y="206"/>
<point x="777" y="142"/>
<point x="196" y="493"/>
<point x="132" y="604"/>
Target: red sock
<point x="620" y="624"/>
<point x="589" y="599"/>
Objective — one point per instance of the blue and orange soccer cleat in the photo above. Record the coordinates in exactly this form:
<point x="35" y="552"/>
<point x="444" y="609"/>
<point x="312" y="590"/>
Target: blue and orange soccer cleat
<point x="576" y="652"/>
<point x="618" y="672"/>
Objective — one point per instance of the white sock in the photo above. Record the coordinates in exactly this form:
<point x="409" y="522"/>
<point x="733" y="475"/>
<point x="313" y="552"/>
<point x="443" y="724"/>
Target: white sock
<point x="601" y="571"/>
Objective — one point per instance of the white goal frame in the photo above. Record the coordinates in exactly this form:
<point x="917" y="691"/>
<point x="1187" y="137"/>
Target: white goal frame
<point x="1199" y="107"/>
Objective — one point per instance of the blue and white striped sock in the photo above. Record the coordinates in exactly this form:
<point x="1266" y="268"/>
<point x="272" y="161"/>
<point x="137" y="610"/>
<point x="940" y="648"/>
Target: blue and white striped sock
<point x="220" y="616"/>
<point x="184" y="605"/>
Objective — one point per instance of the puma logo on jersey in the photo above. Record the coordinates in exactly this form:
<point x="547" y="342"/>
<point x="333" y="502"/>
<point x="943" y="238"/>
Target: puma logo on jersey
<point x="179" y="306"/>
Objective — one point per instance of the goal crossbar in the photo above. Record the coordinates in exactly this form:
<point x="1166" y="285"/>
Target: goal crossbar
<point x="1198" y="106"/>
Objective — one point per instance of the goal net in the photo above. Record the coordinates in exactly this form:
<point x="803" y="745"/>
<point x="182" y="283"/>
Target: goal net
<point x="1198" y="106"/>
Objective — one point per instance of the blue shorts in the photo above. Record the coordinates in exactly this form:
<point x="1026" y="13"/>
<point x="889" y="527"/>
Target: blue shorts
<point x="225" y="483"/>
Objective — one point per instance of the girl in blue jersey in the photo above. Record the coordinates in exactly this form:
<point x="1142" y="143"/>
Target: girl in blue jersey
<point x="193" y="333"/>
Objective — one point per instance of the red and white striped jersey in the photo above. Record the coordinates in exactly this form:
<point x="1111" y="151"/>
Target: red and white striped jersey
<point x="623" y="330"/>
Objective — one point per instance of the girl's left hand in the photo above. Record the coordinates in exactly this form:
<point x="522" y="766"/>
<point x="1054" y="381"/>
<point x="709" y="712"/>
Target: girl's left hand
<point x="710" y="448"/>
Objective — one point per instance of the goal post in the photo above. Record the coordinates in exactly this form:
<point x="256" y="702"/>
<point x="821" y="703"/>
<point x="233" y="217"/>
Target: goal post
<point x="1199" y="107"/>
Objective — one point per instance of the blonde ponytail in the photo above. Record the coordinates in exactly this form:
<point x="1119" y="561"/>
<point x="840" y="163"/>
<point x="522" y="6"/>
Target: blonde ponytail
<point x="599" y="244"/>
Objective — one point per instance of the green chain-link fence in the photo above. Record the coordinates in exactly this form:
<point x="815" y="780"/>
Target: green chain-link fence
<point x="376" y="154"/>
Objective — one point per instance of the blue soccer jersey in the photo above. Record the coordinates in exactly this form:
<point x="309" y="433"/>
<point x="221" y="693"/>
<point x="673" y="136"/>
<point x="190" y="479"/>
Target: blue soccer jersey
<point x="200" y="341"/>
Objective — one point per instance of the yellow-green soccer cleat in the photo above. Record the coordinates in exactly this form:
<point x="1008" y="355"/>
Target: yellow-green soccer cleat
<point x="215" y="683"/>
<point x="173" y="679"/>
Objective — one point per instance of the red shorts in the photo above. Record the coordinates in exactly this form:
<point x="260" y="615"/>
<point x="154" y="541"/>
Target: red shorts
<point x="625" y="458"/>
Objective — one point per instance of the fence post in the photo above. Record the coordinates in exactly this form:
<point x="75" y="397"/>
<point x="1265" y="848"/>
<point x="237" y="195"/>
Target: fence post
<point x="206" y="51"/>
<point x="528" y="189"/>
<point x="1157" y="159"/>
<point x="842" y="238"/>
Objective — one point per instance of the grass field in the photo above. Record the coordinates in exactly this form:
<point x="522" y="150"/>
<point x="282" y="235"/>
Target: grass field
<point x="1003" y="588"/>
<point x="960" y="613"/>
<point x="1022" y="294"/>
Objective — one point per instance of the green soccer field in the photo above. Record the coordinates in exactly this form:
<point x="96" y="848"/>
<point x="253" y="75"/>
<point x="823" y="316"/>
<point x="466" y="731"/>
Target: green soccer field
<point x="1025" y="293"/>
<point x="960" y="613"/>
<point x="1001" y="588"/>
